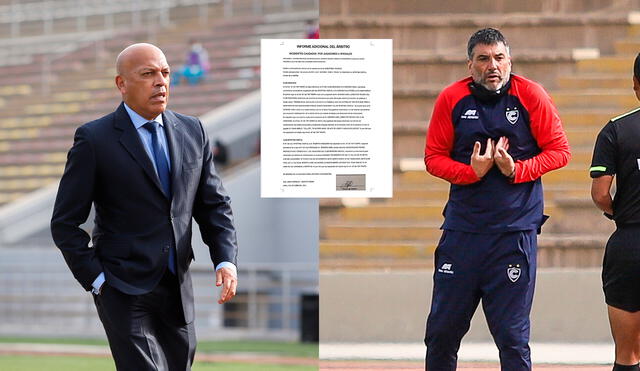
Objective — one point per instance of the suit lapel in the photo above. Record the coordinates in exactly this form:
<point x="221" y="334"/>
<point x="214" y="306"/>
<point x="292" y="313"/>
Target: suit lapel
<point x="175" y="137"/>
<point x="132" y="143"/>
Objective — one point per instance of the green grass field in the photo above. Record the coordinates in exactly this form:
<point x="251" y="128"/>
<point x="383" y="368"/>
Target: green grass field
<point x="289" y="349"/>
<point x="54" y="363"/>
<point x="72" y="363"/>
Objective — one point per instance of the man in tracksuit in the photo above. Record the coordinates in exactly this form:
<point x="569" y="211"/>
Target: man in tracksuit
<point x="492" y="136"/>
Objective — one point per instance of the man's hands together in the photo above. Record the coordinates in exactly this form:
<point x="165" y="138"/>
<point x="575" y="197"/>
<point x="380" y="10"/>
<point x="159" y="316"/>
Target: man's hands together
<point x="482" y="163"/>
<point x="493" y="153"/>
<point x="503" y="159"/>
<point x="228" y="279"/>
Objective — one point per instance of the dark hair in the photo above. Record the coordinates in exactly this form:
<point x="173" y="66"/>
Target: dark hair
<point x="487" y="36"/>
<point x="636" y="67"/>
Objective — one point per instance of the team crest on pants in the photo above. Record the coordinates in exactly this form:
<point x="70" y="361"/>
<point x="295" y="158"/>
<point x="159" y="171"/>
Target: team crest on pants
<point x="513" y="272"/>
<point x="512" y="115"/>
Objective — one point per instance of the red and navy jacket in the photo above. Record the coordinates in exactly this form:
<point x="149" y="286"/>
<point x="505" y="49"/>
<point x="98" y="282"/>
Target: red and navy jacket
<point x="526" y="115"/>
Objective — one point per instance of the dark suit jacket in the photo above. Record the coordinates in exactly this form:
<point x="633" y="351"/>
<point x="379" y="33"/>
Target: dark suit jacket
<point x="135" y="223"/>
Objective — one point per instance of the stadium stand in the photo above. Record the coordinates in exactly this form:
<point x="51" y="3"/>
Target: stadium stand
<point x="580" y="51"/>
<point x="57" y="72"/>
<point x="46" y="99"/>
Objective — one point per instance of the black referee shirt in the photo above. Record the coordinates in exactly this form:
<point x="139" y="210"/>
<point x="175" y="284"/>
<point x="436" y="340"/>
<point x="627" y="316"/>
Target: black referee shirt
<point x="617" y="152"/>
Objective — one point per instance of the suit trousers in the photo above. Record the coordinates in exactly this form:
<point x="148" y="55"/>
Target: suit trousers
<point x="500" y="270"/>
<point x="147" y="332"/>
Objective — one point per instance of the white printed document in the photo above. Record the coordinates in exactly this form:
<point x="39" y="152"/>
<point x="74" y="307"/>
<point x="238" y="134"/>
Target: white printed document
<point x="326" y="118"/>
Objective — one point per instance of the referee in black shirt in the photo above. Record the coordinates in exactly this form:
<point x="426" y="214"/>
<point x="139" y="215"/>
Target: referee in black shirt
<point x="617" y="153"/>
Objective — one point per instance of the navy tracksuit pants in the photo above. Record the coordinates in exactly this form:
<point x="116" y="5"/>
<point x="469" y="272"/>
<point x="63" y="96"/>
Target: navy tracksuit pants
<point x="498" y="268"/>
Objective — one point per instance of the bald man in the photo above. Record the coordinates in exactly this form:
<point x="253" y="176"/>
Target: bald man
<point x="148" y="171"/>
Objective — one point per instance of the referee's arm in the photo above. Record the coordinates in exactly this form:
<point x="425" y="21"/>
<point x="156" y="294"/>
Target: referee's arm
<point x="603" y="168"/>
<point x="600" y="194"/>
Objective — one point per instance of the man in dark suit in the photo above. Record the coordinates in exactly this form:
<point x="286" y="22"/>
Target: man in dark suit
<point x="148" y="171"/>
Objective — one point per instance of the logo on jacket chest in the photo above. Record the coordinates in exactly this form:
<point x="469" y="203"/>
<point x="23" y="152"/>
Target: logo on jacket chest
<point x="446" y="268"/>
<point x="470" y="114"/>
<point x="512" y="115"/>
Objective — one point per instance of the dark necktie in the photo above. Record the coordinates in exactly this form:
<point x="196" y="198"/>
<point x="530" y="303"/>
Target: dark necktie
<point x="162" y="168"/>
<point x="160" y="157"/>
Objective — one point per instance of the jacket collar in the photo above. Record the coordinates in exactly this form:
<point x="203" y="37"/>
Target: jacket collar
<point x="130" y="140"/>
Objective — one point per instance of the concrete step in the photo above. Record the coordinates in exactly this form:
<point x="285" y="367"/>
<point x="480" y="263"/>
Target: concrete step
<point x="35" y="146"/>
<point x="581" y="156"/>
<point x="597" y="81"/>
<point x="7" y="172"/>
<point x="617" y="99"/>
<point x="554" y="251"/>
<point x="610" y="64"/>
<point x="31" y="158"/>
<point x="581" y="136"/>
<point x="375" y="250"/>
<point x="578" y="215"/>
<point x="438" y="193"/>
<point x="377" y="232"/>
<point x="328" y="263"/>
<point x="457" y="8"/>
<point x="633" y="31"/>
<point x="582" y="250"/>
<point x="428" y="233"/>
<point x="433" y="31"/>
<point x="25" y="185"/>
<point x="430" y="211"/>
<point x="414" y="103"/>
<point x="627" y="47"/>
<point x="408" y="145"/>
<point x="593" y="117"/>
<point x="569" y="174"/>
<point x="428" y="66"/>
<point x="416" y="127"/>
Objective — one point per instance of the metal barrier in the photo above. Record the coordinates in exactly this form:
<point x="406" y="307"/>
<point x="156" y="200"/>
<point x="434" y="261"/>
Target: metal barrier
<point x="39" y="297"/>
<point x="48" y="11"/>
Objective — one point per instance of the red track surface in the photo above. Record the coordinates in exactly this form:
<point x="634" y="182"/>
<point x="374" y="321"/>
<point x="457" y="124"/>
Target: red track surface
<point x="412" y="366"/>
